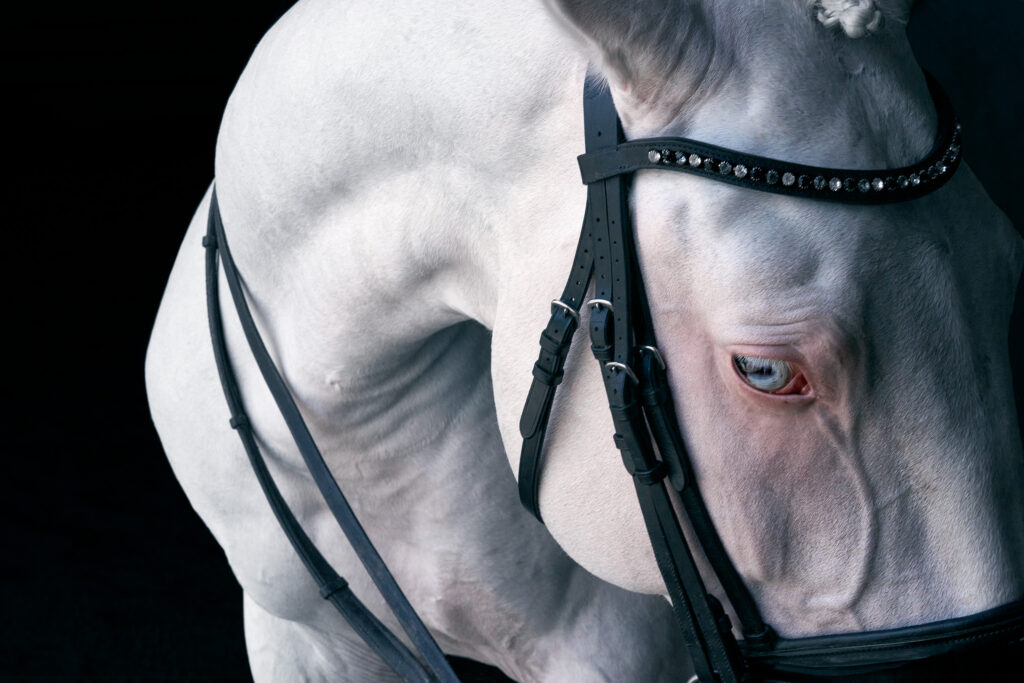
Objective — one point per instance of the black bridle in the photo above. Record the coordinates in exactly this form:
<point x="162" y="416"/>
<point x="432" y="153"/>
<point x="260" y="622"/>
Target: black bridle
<point x="623" y="341"/>
<point x="646" y="429"/>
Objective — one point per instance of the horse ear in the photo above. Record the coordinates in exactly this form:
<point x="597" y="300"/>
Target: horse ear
<point x="638" y="45"/>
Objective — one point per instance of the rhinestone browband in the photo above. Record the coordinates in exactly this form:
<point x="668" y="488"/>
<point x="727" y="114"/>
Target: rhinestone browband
<point x="783" y="177"/>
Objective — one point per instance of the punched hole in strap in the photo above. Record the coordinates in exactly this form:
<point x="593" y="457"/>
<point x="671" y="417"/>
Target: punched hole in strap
<point x="333" y="586"/>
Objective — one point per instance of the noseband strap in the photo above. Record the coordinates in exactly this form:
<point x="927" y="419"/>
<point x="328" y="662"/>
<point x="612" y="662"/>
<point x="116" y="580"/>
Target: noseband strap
<point x="622" y="339"/>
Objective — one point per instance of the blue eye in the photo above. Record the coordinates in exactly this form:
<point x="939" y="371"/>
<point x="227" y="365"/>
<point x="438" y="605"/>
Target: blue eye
<point x="764" y="374"/>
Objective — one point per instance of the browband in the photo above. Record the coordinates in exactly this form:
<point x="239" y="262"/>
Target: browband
<point x="754" y="172"/>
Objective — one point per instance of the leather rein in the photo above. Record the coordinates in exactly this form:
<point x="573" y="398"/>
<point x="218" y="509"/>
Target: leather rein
<point x="647" y="432"/>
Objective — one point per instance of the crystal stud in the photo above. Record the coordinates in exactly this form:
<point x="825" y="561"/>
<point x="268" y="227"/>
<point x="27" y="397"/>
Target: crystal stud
<point x="654" y="156"/>
<point x="757" y="174"/>
<point x="739" y="170"/>
<point x="877" y="184"/>
<point x="902" y="182"/>
<point x="788" y="178"/>
<point x="820" y="182"/>
<point x="863" y="184"/>
<point x="914" y="179"/>
<point x="695" y="160"/>
<point x="890" y="183"/>
<point x="772" y="176"/>
<point x="835" y="184"/>
<point x="725" y="168"/>
<point x="709" y="164"/>
<point x="849" y="184"/>
<point x="803" y="182"/>
<point x="668" y="156"/>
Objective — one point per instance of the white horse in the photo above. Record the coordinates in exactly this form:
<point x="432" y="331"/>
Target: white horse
<point x="399" y="186"/>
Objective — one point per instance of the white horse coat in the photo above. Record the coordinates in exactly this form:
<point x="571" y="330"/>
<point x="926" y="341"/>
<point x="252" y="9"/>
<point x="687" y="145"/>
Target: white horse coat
<point x="401" y="196"/>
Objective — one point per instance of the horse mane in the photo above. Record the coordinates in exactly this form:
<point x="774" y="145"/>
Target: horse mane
<point x="856" y="18"/>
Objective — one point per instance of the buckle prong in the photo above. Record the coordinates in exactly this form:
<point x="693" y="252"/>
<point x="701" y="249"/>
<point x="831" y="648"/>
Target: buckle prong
<point x="653" y="350"/>
<point x="557" y="304"/>
<point x="615" y="365"/>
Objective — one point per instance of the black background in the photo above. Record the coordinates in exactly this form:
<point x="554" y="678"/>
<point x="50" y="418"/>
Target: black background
<point x="109" y="120"/>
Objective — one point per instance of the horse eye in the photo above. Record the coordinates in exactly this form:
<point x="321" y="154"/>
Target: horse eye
<point x="764" y="374"/>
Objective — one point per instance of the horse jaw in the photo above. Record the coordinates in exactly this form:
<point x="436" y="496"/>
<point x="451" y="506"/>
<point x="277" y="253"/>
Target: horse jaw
<point x="887" y="499"/>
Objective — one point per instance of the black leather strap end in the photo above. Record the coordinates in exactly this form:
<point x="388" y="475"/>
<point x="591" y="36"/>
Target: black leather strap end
<point x="605" y="163"/>
<point x="536" y="408"/>
<point x="239" y="421"/>
<point x="529" y="474"/>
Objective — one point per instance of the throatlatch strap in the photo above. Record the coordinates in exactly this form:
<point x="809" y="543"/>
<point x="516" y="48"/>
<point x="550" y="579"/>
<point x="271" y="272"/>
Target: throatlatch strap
<point x="332" y="587"/>
<point x="547" y="371"/>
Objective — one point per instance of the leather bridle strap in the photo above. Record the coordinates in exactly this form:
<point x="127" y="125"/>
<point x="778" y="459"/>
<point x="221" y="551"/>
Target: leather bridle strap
<point x="555" y="341"/>
<point x="332" y="587"/>
<point x="764" y="174"/>
<point x="705" y="628"/>
<point x="862" y="654"/>
<point x="659" y="411"/>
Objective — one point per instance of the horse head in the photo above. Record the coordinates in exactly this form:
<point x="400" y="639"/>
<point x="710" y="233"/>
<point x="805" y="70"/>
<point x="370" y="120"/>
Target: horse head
<point x="841" y="372"/>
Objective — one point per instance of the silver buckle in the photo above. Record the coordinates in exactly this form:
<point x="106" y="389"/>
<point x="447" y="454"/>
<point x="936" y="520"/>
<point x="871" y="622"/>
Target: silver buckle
<point x="559" y="304"/>
<point x="653" y="350"/>
<point x="614" y="365"/>
<point x="598" y="303"/>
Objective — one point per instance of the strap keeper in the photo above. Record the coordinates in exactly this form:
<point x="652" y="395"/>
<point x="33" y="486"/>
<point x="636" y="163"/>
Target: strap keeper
<point x="551" y="379"/>
<point x="603" y="353"/>
<point x="210" y="241"/>
<point x="333" y="586"/>
<point x="653" y="475"/>
<point x="761" y="642"/>
<point x="553" y="345"/>
<point x="238" y="421"/>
